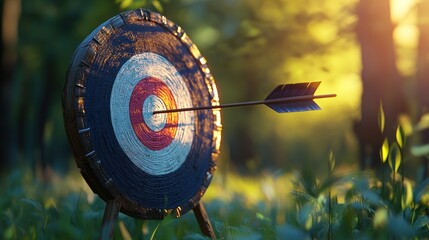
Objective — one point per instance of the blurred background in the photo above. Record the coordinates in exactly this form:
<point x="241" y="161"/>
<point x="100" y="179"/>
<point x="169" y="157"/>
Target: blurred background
<point x="367" y="52"/>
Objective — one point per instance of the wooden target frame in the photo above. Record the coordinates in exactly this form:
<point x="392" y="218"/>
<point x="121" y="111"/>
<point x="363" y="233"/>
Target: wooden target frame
<point x="144" y="165"/>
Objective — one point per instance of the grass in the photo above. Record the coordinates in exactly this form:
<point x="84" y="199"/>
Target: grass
<point x="272" y="206"/>
<point x="66" y="208"/>
<point x="297" y="205"/>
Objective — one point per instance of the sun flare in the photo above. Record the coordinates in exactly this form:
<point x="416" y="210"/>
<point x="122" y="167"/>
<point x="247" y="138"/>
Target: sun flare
<point x="400" y="9"/>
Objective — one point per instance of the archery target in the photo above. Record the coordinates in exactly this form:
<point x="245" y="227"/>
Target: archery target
<point x="134" y="64"/>
<point x="157" y="144"/>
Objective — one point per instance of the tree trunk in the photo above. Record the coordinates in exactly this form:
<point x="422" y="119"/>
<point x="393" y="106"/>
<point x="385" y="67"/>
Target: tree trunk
<point x="380" y="79"/>
<point x="422" y="74"/>
<point x="9" y="37"/>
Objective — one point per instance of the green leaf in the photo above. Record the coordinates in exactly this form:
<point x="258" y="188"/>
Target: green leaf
<point x="308" y="223"/>
<point x="10" y="232"/>
<point x="420" y="190"/>
<point x="400" y="136"/>
<point x="195" y="236"/>
<point x="305" y="218"/>
<point x="125" y="3"/>
<point x="381" y="118"/>
<point x="152" y="237"/>
<point x="380" y="218"/>
<point x="125" y="234"/>
<point x="243" y="233"/>
<point x="399" y="227"/>
<point x="384" y="151"/>
<point x="347" y="225"/>
<point x="291" y="232"/>
<point x="138" y="4"/>
<point x="421" y="222"/>
<point x="372" y="197"/>
<point x="157" y="5"/>
<point x="407" y="196"/>
<point x="395" y="157"/>
<point x="331" y="161"/>
<point x="37" y="205"/>
<point x="330" y="182"/>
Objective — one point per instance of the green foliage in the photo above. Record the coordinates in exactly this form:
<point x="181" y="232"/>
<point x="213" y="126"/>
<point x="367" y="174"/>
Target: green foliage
<point x="384" y="151"/>
<point x="389" y="208"/>
<point x="400" y="136"/>
<point x="338" y="206"/>
<point x="365" y="211"/>
<point x="32" y="210"/>
<point x="331" y="162"/>
<point x="394" y="157"/>
<point x="133" y="4"/>
<point x="250" y="46"/>
<point x="381" y="118"/>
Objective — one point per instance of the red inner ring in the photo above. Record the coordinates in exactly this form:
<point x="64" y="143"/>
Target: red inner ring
<point x="154" y="140"/>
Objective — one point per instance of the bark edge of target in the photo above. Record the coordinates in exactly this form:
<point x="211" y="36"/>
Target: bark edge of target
<point x="135" y="61"/>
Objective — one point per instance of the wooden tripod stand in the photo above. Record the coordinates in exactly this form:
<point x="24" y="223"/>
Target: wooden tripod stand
<point x="113" y="207"/>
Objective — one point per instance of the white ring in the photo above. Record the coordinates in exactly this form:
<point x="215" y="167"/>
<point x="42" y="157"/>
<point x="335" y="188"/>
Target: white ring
<point x="155" y="122"/>
<point x="136" y="68"/>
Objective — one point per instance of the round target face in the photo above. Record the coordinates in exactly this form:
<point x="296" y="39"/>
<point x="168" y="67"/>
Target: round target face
<point x="156" y="144"/>
<point x="154" y="164"/>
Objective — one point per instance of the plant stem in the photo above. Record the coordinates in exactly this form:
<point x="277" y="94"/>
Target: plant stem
<point x="330" y="204"/>
<point x="402" y="178"/>
<point x="329" y="215"/>
<point x="383" y="190"/>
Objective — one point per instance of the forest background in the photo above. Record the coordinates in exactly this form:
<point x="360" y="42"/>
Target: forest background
<point x="367" y="52"/>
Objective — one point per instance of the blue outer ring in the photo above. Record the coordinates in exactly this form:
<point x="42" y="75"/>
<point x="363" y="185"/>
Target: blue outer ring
<point x="86" y="104"/>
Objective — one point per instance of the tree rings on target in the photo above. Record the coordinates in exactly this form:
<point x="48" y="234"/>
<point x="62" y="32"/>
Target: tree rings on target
<point x="154" y="164"/>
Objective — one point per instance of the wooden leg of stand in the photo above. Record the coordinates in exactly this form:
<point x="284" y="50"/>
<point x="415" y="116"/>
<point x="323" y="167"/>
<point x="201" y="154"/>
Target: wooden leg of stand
<point x="109" y="219"/>
<point x="203" y="220"/>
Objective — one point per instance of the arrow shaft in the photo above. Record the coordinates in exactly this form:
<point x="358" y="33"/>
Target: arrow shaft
<point x="240" y="104"/>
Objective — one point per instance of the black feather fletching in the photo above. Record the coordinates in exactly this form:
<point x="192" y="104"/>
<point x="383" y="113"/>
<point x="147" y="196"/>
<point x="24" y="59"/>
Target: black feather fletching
<point x="296" y="97"/>
<point x="293" y="90"/>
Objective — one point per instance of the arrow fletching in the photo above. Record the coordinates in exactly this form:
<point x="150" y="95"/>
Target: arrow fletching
<point x="296" y="97"/>
<point x="293" y="90"/>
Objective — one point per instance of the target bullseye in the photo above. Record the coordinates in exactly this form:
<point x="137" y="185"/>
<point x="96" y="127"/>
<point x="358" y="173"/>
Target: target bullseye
<point x="129" y="100"/>
<point x="154" y="122"/>
<point x="147" y="90"/>
<point x="155" y="152"/>
<point x="132" y="65"/>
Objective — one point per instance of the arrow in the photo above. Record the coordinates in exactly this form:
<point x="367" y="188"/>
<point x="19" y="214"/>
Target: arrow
<point x="296" y="97"/>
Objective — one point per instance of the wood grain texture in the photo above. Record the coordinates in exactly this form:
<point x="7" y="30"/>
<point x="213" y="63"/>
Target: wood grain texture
<point x="204" y="220"/>
<point x="110" y="217"/>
